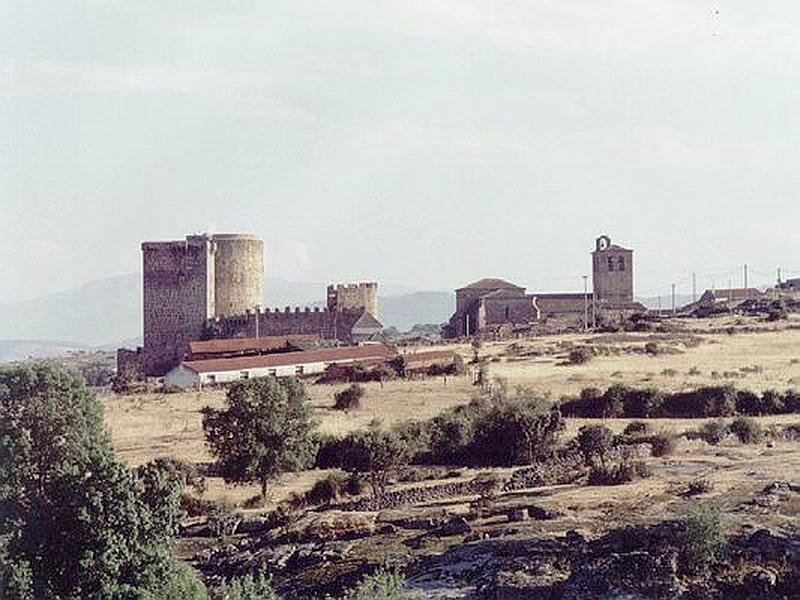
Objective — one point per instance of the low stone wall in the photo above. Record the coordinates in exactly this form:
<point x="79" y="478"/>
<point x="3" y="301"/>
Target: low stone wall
<point x="561" y="470"/>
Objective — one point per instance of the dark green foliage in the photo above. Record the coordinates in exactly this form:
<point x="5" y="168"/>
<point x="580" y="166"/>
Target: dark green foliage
<point x="246" y="587"/>
<point x="579" y="356"/>
<point x="452" y="431"/>
<point x="398" y="364"/>
<point x="375" y="452"/>
<point x="383" y="584"/>
<point x="264" y="430"/>
<point x="641" y="404"/>
<point x="77" y="523"/>
<point x="636" y="428"/>
<point x="661" y="444"/>
<point x="594" y="444"/>
<point x="623" y="470"/>
<point x="713" y="432"/>
<point x="701" y="542"/>
<point x="222" y="520"/>
<point x="747" y="430"/>
<point x="711" y="401"/>
<point x="515" y="433"/>
<point x="349" y="398"/>
<point x="699" y="486"/>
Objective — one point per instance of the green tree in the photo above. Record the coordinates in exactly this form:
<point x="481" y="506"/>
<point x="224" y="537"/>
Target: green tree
<point x="264" y="430"/>
<point x="76" y="523"/>
<point x="516" y="432"/>
<point x="594" y="443"/>
<point x="375" y="452"/>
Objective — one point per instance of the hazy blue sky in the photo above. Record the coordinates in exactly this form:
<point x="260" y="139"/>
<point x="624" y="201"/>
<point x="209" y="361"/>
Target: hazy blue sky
<point x="425" y="142"/>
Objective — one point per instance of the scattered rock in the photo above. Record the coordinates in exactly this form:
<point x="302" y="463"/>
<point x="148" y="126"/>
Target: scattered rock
<point x="518" y="514"/>
<point x="457" y="526"/>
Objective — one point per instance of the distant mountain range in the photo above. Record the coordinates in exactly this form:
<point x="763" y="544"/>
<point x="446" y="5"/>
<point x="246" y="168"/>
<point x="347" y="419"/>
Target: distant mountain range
<point x="108" y="313"/>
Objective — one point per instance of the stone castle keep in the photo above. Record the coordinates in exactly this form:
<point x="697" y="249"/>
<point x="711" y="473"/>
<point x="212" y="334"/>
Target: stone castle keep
<point x="489" y="304"/>
<point x="212" y="286"/>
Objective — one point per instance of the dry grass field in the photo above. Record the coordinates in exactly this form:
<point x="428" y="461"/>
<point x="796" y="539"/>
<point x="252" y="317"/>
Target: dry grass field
<point x="756" y="356"/>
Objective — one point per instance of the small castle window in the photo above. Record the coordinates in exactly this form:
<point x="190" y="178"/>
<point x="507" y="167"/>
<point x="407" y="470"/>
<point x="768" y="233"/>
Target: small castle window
<point x="298" y="370"/>
<point x="245" y="374"/>
<point x="621" y="263"/>
<point x="610" y="263"/>
<point x="507" y="313"/>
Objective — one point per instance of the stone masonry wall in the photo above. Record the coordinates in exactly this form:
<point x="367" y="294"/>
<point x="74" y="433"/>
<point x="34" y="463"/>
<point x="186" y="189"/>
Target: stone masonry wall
<point x="612" y="275"/>
<point x="353" y="297"/>
<point x="239" y="273"/>
<point x="327" y="324"/>
<point x="178" y="280"/>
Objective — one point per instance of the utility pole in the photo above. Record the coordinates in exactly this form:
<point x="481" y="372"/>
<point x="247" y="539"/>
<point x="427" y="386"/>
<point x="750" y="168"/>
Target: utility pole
<point x="694" y="287"/>
<point x="779" y="276"/>
<point x="257" y="311"/>
<point x="746" y="293"/>
<point x="585" y="302"/>
<point x="673" y="299"/>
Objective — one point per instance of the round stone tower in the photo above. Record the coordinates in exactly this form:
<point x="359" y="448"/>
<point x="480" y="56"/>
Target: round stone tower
<point x="238" y="273"/>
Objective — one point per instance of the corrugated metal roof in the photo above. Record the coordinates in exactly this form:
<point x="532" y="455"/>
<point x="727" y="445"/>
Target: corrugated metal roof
<point x="271" y="342"/>
<point x="326" y="355"/>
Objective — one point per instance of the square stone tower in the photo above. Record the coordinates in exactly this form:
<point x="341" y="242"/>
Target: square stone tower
<point x="354" y="296"/>
<point x="187" y="282"/>
<point x="612" y="272"/>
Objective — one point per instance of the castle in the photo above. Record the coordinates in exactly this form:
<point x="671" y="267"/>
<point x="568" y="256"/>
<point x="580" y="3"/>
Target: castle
<point x="489" y="304"/>
<point x="211" y="286"/>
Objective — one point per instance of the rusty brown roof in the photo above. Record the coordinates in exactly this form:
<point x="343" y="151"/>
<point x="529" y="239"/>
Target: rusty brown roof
<point x="431" y="355"/>
<point x="270" y="342"/>
<point x="325" y="355"/>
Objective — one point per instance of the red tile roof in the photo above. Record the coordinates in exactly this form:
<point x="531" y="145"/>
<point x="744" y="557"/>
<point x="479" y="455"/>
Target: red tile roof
<point x="271" y="342"/>
<point x="325" y="355"/>
<point x="492" y="284"/>
<point x="429" y="356"/>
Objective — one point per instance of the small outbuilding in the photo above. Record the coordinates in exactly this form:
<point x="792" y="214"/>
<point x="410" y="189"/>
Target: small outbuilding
<point x="196" y="373"/>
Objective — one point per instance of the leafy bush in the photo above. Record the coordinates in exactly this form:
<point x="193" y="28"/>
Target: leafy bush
<point x="661" y="444"/>
<point x="701" y="541"/>
<point x="222" y="520"/>
<point x="451" y="435"/>
<point x="713" y="432"/>
<point x="624" y="471"/>
<point x="640" y="404"/>
<point x="652" y="348"/>
<point x="349" y="398"/>
<point x="375" y="452"/>
<point x="636" y="428"/>
<point x="747" y="430"/>
<point x="713" y="401"/>
<point x="594" y="444"/>
<point x="700" y="486"/>
<point x="515" y="433"/>
<point x="246" y="587"/>
<point x="383" y="584"/>
<point x="579" y="356"/>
